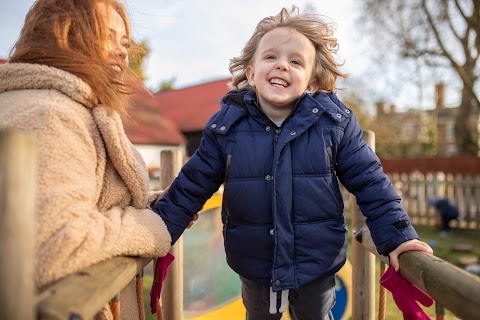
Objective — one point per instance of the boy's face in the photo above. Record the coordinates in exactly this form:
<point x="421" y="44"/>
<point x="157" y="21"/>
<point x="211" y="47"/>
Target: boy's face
<point x="282" y="68"/>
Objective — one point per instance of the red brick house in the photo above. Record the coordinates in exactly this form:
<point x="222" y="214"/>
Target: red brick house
<point x="191" y="108"/>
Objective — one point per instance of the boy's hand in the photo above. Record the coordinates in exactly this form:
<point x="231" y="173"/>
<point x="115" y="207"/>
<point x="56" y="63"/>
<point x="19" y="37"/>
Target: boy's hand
<point x="411" y="245"/>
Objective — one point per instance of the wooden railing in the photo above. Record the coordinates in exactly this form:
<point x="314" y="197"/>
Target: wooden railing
<point x="82" y="294"/>
<point x="453" y="288"/>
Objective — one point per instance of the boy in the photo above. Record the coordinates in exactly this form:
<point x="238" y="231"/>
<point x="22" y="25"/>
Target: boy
<point x="278" y="144"/>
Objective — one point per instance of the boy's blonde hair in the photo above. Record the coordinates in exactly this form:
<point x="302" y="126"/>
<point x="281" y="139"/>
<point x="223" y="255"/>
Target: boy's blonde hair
<point x="313" y="27"/>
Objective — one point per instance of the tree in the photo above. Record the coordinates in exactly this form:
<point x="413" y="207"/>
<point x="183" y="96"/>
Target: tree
<point x="167" y="84"/>
<point x="435" y="33"/>
<point x="139" y="52"/>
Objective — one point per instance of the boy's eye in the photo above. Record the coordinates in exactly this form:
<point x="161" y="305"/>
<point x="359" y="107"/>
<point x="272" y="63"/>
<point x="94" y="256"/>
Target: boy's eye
<point x="270" y="57"/>
<point x="295" y="62"/>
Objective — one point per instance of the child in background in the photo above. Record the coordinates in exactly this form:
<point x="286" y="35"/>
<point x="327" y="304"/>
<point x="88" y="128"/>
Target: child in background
<point x="279" y="143"/>
<point x="447" y="213"/>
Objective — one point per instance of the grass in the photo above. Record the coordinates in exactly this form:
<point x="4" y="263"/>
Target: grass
<point x="442" y="247"/>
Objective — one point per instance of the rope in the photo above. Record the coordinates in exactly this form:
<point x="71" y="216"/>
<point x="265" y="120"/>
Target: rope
<point x="115" y="307"/>
<point x="159" y="312"/>
<point x="139" y="287"/>
<point x="440" y="312"/>
<point x="383" y="294"/>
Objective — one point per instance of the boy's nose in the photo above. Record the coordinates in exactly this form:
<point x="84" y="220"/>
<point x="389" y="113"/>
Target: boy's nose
<point x="282" y="65"/>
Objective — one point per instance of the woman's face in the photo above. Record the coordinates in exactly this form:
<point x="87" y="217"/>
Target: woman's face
<point x="118" y="43"/>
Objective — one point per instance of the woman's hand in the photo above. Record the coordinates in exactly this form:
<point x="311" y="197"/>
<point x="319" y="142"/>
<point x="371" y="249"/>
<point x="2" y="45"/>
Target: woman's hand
<point x="411" y="245"/>
<point x="160" y="195"/>
<point x="195" y="218"/>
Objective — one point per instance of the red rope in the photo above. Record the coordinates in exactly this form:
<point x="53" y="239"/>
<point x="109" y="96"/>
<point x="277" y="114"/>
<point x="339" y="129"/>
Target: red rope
<point x="140" y="301"/>
<point x="440" y="312"/>
<point x="115" y="307"/>
<point x="382" y="301"/>
<point x="159" y="312"/>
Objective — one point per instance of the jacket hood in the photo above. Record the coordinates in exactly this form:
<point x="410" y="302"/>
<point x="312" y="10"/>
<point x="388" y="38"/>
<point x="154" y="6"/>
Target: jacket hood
<point x="25" y="76"/>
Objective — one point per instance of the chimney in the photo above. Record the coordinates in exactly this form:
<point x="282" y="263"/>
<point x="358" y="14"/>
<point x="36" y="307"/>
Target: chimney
<point x="381" y="108"/>
<point x="393" y="108"/>
<point x="440" y="95"/>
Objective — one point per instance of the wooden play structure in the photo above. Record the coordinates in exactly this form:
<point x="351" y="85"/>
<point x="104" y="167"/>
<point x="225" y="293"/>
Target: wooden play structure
<point x="81" y="295"/>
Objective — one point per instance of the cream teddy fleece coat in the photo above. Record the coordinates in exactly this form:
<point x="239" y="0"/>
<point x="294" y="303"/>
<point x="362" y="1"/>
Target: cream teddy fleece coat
<point x="92" y="193"/>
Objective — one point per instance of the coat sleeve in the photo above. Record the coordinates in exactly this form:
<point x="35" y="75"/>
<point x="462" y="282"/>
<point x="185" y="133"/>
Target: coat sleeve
<point x="198" y="180"/>
<point x="360" y="171"/>
<point x="72" y="232"/>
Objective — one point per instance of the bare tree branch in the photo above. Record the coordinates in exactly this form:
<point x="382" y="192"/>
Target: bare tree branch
<point x="433" y="32"/>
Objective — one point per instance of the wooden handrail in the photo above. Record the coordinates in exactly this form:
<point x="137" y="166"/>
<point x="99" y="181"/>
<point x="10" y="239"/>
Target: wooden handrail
<point x="82" y="294"/>
<point x="450" y="286"/>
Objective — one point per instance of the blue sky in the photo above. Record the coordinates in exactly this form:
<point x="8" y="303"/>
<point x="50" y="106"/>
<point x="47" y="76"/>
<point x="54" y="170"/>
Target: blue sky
<point x="193" y="41"/>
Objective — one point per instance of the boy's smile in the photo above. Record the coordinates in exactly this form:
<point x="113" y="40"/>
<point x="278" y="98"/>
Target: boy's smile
<point x="281" y="71"/>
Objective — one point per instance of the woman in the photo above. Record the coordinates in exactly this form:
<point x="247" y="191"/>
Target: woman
<point x="64" y="83"/>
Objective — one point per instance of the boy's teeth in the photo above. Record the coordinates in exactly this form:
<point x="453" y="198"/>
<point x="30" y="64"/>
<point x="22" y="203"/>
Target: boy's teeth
<point x="279" y="82"/>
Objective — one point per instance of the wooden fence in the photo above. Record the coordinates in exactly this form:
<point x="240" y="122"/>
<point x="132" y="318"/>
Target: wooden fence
<point x="81" y="295"/>
<point x="461" y="191"/>
<point x="416" y="189"/>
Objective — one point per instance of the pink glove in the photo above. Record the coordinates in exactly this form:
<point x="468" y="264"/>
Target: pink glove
<point x="161" y="268"/>
<point x="405" y="295"/>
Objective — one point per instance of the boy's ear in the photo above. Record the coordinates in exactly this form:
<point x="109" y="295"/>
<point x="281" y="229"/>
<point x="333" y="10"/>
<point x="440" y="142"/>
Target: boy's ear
<point x="249" y="72"/>
<point x="313" y="86"/>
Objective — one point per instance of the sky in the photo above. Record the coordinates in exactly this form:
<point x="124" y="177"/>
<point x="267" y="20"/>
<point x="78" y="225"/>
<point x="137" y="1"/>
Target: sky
<point x="192" y="42"/>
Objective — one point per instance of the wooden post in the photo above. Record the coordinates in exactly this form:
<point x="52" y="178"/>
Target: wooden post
<point x="363" y="262"/>
<point x="17" y="225"/>
<point x="172" y="294"/>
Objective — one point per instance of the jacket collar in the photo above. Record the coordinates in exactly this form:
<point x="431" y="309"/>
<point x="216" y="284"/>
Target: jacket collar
<point x="237" y="104"/>
<point x="19" y="76"/>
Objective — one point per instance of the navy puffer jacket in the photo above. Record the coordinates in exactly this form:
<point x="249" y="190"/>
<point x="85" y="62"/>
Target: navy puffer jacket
<point x="282" y="209"/>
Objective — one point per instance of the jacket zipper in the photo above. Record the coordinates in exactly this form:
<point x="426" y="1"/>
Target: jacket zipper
<point x="278" y="129"/>
<point x="277" y="135"/>
<point x="334" y="176"/>
<point x="224" y="200"/>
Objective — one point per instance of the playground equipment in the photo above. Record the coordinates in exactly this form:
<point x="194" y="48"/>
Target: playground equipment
<point x="81" y="295"/>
